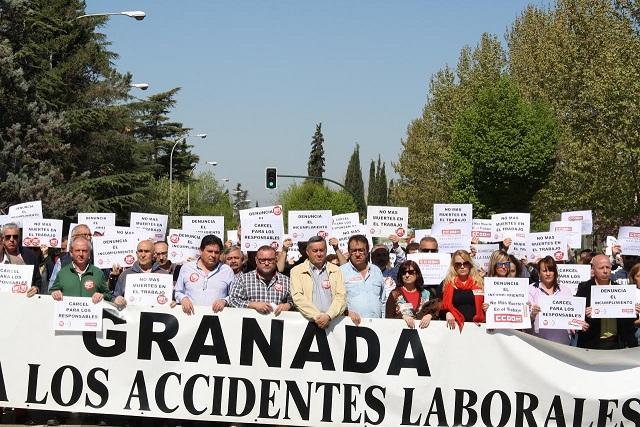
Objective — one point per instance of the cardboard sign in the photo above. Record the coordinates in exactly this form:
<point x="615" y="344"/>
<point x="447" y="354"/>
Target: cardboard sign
<point x="548" y="244"/>
<point x="152" y="289"/>
<point x="151" y="222"/>
<point x="585" y="217"/>
<point x="629" y="240"/>
<point x="97" y="222"/>
<point x="306" y="224"/>
<point x="383" y="221"/>
<point x="507" y="298"/>
<point x="561" y="313"/>
<point x="15" y="279"/>
<point x="204" y="225"/>
<point x="261" y="226"/>
<point x="572" y="230"/>
<point x="41" y="232"/>
<point x="108" y="251"/>
<point x="433" y="266"/>
<point x="232" y="235"/>
<point x="483" y="255"/>
<point x="570" y="275"/>
<point x="449" y="213"/>
<point x="136" y="233"/>
<point x="482" y="228"/>
<point x="452" y="236"/>
<point x="184" y="245"/>
<point x="30" y="210"/>
<point x="77" y="314"/>
<point x="345" y="219"/>
<point x="343" y="234"/>
<point x="513" y="226"/>
<point x="613" y="301"/>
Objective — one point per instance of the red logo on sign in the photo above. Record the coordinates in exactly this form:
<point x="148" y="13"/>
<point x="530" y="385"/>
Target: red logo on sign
<point x="61" y="323"/>
<point x="35" y="242"/>
<point x="100" y="261"/>
<point x="19" y="288"/>
<point x="277" y="210"/>
<point x="162" y="299"/>
<point x="400" y="232"/>
<point x="89" y="284"/>
<point x="174" y="238"/>
<point x="246" y="245"/>
<point x="129" y="259"/>
<point x="634" y="234"/>
<point x="275" y="245"/>
<point x="326" y="284"/>
<point x="508" y="318"/>
<point x="295" y="235"/>
<point x="53" y="242"/>
<point x="194" y="277"/>
<point x="451" y="232"/>
<point x="575" y="218"/>
<point x="27" y="241"/>
<point x="278" y="287"/>
<point x="372" y="231"/>
<point x="558" y="255"/>
<point x="545" y="322"/>
<point x="322" y="233"/>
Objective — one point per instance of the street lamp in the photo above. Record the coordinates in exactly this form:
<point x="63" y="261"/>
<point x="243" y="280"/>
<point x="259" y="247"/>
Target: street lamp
<point x="138" y="15"/>
<point x="189" y="184"/>
<point x="184" y="138"/>
<point x="141" y="86"/>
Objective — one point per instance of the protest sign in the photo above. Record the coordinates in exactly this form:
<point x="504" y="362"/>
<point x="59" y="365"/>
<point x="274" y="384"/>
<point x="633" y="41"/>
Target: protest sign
<point x="148" y="289"/>
<point x="183" y="245"/>
<point x="561" y="313"/>
<point x="15" y="278"/>
<point x="232" y="236"/>
<point x="483" y="254"/>
<point x="433" y="266"/>
<point x="629" y="240"/>
<point x="261" y="226"/>
<point x="548" y="244"/>
<point x="136" y="233"/>
<point x="419" y="234"/>
<point x="613" y="301"/>
<point x="151" y="222"/>
<point x="570" y="275"/>
<point x="343" y="233"/>
<point x="345" y="219"/>
<point x="507" y="298"/>
<point x="41" y="232"/>
<point x="5" y="219"/>
<point x="97" y="222"/>
<point x="449" y="213"/>
<point x="109" y="251"/>
<point x="30" y="210"/>
<point x="383" y="221"/>
<point x="571" y="229"/>
<point x="481" y="229"/>
<point x="584" y="217"/>
<point x="305" y="224"/>
<point x="452" y="236"/>
<point x="77" y="314"/>
<point x="204" y="225"/>
<point x="514" y="226"/>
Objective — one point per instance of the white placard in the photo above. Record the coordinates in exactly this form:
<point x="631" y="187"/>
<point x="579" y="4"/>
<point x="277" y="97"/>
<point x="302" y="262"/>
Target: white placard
<point x="153" y="289"/>
<point x="482" y="228"/>
<point x="37" y="232"/>
<point x="514" y="226"/>
<point x="449" y="213"/>
<point x="205" y="225"/>
<point x="343" y="234"/>
<point x="570" y="275"/>
<point x="383" y="221"/>
<point x="306" y="224"/>
<point x="151" y="222"/>
<point x="433" y="266"/>
<point x="120" y="250"/>
<point x="483" y="255"/>
<point x="519" y="249"/>
<point x="629" y="240"/>
<point x="548" y="244"/>
<point x="97" y="222"/>
<point x="15" y="279"/>
<point x="77" y="314"/>
<point x="232" y="235"/>
<point x="561" y="312"/>
<point x="184" y="245"/>
<point x="419" y="234"/>
<point x="571" y="229"/>
<point x="613" y="301"/>
<point x="585" y="217"/>
<point x="31" y="210"/>
<point x="261" y="226"/>
<point x="5" y="219"/>
<point x="452" y="236"/>
<point x="345" y="219"/>
<point x="507" y="298"/>
<point x="138" y="233"/>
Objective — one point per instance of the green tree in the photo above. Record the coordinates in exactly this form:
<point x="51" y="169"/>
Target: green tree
<point x="314" y="196"/>
<point x="208" y="197"/>
<point x="503" y="150"/>
<point x="315" y="166"/>
<point x="353" y="178"/>
<point x="372" y="194"/>
<point x="383" y="186"/>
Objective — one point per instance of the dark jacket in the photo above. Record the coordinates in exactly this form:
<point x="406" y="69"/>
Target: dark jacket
<point x="33" y="256"/>
<point x="591" y="337"/>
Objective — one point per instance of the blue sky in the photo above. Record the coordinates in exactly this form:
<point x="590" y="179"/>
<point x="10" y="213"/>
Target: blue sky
<point x="256" y="76"/>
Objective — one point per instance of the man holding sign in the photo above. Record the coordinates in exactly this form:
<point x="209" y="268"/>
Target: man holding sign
<point x="604" y="333"/>
<point x="144" y="264"/>
<point x="15" y="254"/>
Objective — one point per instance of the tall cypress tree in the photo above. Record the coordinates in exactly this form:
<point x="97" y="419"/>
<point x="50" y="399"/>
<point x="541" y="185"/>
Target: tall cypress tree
<point x="315" y="167"/>
<point x="353" y="178"/>
<point x="372" y="194"/>
<point x="382" y="185"/>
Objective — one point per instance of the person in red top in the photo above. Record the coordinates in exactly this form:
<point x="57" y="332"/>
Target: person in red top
<point x="462" y="295"/>
<point x="410" y="300"/>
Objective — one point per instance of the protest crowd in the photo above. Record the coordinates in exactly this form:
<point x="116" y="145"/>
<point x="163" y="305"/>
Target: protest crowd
<point x="462" y="271"/>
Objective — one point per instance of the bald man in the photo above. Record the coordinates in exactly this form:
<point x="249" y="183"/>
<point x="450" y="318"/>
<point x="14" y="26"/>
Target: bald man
<point x="144" y="264"/>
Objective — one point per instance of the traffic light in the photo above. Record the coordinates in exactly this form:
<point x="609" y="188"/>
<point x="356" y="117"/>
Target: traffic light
<point x="271" y="182"/>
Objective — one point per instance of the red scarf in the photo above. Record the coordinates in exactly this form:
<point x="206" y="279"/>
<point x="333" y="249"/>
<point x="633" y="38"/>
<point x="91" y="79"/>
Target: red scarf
<point x="447" y="300"/>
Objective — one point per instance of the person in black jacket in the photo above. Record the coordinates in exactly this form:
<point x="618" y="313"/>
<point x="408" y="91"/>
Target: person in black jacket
<point x="604" y="334"/>
<point x="14" y="253"/>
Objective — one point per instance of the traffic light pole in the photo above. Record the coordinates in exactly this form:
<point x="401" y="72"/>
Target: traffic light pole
<point x="355" y="198"/>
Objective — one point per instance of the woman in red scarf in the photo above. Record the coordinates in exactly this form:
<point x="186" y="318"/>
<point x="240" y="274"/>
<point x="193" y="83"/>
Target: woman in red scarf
<point x="462" y="296"/>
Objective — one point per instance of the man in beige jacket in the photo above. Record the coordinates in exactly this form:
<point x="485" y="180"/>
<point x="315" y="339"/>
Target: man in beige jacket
<point x="317" y="287"/>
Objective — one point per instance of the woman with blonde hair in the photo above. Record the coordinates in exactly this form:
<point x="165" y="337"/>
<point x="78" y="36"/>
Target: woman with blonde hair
<point x="499" y="264"/>
<point x="462" y="296"/>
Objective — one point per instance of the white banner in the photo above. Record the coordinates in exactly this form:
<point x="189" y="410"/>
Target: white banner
<point x="571" y="229"/>
<point x="452" y="236"/>
<point x="383" y="221"/>
<point x="433" y="266"/>
<point x="151" y="222"/>
<point x="15" y="278"/>
<point x="77" y="314"/>
<point x="561" y="313"/>
<point x="31" y="210"/>
<point x="261" y="226"/>
<point x="150" y="289"/>
<point x="507" y="299"/>
<point x="613" y="301"/>
<point x="204" y="225"/>
<point x="108" y="251"/>
<point x="37" y="232"/>
<point x="548" y="244"/>
<point x="97" y="222"/>
<point x="448" y="213"/>
<point x="585" y="217"/>
<point x="629" y="240"/>
<point x="306" y="224"/>
<point x="183" y="245"/>
<point x="570" y="275"/>
<point x="208" y="367"/>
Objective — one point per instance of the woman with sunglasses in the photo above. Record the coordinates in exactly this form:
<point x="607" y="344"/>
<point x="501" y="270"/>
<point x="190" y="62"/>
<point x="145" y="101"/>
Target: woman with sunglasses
<point x="410" y="300"/>
<point x="462" y="296"/>
<point x="499" y="264"/>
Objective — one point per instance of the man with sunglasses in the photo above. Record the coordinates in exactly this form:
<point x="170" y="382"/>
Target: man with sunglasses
<point x="14" y="253"/>
<point x="428" y="244"/>
<point x="265" y="290"/>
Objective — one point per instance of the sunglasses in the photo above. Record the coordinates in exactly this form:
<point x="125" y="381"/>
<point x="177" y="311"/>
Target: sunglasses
<point x="11" y="237"/>
<point x="433" y="251"/>
<point x="459" y="265"/>
<point x="505" y="264"/>
<point x="409" y="272"/>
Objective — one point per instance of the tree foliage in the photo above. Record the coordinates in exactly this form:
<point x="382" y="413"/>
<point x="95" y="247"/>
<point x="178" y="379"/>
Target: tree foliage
<point x="378" y="186"/>
<point x="315" y="166"/>
<point x="314" y="196"/>
<point x="353" y="178"/>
